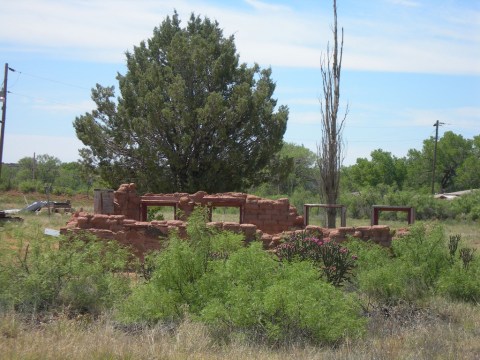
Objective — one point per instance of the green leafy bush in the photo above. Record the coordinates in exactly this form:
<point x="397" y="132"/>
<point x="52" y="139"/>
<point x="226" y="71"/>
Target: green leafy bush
<point x="333" y="260"/>
<point x="298" y="304"/>
<point x="253" y="293"/>
<point x="172" y="287"/>
<point x="153" y="213"/>
<point x="410" y="272"/>
<point x="80" y="275"/>
<point x="235" y="289"/>
<point x="460" y="283"/>
<point x="28" y="186"/>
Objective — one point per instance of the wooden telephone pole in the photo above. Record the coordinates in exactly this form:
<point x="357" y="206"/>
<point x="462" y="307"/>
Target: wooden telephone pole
<point x="437" y="124"/>
<point x="4" y="113"/>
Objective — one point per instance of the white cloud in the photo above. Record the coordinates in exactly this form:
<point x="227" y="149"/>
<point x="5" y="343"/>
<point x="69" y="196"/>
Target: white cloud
<point x="72" y="107"/>
<point x="440" y="42"/>
<point x="408" y="3"/>
<point x="262" y="6"/>
<point x="458" y="120"/>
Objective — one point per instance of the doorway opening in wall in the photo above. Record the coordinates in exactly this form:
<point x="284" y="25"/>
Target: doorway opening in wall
<point x="226" y="214"/>
<point x="160" y="213"/>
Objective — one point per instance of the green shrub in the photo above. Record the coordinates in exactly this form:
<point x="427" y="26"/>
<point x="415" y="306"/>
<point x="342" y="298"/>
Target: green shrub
<point x="234" y="289"/>
<point x="153" y="213"/>
<point x="79" y="275"/>
<point x="334" y="261"/>
<point x="172" y="286"/>
<point x="64" y="191"/>
<point x="29" y="186"/>
<point x="412" y="270"/>
<point x="425" y="250"/>
<point x="299" y="304"/>
<point x="460" y="283"/>
<point x="251" y="292"/>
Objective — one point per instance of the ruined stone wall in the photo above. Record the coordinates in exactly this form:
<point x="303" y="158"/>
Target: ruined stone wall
<point x="127" y="202"/>
<point x="265" y="220"/>
<point x="270" y="216"/>
<point x="143" y="237"/>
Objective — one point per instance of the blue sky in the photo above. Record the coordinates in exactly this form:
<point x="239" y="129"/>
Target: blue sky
<point x="406" y="64"/>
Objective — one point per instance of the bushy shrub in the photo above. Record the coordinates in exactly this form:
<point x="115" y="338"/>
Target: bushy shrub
<point x="333" y="260"/>
<point x="467" y="207"/>
<point x="172" y="287"/>
<point x="462" y="283"/>
<point x="251" y="292"/>
<point x="410" y="272"/>
<point x="28" y="186"/>
<point x="80" y="275"/>
<point x="235" y="289"/>
<point x="299" y="304"/>
<point x="420" y="264"/>
<point x="213" y="278"/>
<point x="359" y="204"/>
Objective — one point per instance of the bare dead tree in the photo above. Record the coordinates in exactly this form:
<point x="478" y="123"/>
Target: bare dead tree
<point x="330" y="151"/>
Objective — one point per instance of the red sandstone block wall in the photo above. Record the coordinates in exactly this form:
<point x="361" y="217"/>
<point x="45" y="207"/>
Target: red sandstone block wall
<point x="270" y="216"/>
<point x="265" y="220"/>
<point x="143" y="237"/>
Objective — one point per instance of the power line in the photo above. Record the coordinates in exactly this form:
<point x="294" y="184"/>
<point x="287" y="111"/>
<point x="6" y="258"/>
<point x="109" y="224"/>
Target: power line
<point x="43" y="100"/>
<point x="53" y="80"/>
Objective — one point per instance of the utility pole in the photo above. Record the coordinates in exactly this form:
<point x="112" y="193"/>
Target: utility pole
<point x="3" y="98"/>
<point x="437" y="124"/>
<point x="4" y="113"/>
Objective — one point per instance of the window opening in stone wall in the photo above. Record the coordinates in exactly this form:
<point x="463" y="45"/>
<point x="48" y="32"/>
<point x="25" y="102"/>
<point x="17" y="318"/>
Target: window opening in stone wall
<point x="226" y="214"/>
<point x="160" y="213"/>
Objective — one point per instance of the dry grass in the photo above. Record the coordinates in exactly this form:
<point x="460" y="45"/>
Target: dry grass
<point x="445" y="331"/>
<point x="470" y="232"/>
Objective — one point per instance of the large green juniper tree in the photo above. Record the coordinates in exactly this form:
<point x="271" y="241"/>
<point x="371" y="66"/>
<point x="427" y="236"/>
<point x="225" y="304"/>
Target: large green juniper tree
<point x="190" y="116"/>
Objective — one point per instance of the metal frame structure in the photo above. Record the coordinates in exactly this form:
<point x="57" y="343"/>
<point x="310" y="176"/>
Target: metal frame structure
<point x="343" y="215"/>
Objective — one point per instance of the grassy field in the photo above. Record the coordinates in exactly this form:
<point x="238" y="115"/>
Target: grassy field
<point x="444" y="331"/>
<point x="433" y="329"/>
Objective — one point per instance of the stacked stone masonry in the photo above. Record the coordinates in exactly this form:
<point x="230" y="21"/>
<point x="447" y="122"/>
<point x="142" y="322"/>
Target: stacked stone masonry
<point x="260" y="219"/>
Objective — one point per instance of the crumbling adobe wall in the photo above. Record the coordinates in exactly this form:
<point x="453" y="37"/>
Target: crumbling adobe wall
<point x="379" y="234"/>
<point x="266" y="220"/>
<point x="143" y="237"/>
<point x="127" y="202"/>
<point x="269" y="216"/>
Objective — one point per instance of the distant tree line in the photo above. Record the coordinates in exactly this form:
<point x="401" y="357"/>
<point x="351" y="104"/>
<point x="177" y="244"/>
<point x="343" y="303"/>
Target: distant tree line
<point x="35" y="174"/>
<point x="292" y="172"/>
<point x="457" y="167"/>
